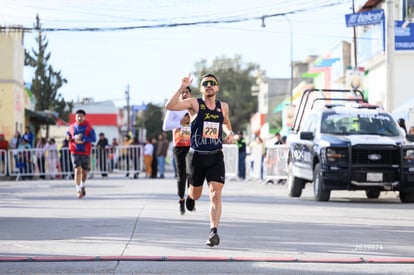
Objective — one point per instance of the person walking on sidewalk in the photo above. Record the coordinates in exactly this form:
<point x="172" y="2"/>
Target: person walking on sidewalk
<point x="81" y="135"/>
<point x="179" y="123"/>
<point x="209" y="122"/>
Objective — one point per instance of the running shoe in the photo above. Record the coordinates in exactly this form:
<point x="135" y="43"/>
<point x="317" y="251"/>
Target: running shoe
<point x="80" y="194"/>
<point x="182" y="206"/>
<point x="190" y="204"/>
<point x="83" y="190"/>
<point x="213" y="239"/>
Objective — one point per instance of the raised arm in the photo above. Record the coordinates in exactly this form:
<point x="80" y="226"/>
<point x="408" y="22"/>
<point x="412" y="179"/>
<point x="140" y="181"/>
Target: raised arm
<point x="174" y="103"/>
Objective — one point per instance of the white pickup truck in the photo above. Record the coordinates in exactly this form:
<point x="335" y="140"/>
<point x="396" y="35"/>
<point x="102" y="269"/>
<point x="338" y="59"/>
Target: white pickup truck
<point x="340" y="142"/>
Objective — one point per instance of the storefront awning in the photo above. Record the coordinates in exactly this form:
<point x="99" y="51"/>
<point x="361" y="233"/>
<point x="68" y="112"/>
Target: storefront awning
<point x="40" y="118"/>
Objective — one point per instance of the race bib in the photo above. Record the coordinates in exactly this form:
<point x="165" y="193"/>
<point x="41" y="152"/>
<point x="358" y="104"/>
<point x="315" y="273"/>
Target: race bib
<point x="211" y="130"/>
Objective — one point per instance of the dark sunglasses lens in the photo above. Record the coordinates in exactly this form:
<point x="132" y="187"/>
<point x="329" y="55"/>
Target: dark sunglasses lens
<point x="211" y="82"/>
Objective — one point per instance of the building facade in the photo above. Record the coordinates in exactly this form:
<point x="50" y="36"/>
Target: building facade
<point x="12" y="91"/>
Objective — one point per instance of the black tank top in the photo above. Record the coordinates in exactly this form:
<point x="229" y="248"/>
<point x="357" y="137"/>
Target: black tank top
<point x="207" y="128"/>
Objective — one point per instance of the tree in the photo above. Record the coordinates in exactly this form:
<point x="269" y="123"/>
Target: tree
<point x="46" y="81"/>
<point x="151" y="119"/>
<point x="236" y="81"/>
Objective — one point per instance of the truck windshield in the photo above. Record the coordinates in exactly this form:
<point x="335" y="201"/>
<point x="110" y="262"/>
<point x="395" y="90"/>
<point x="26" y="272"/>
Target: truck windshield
<point x="359" y="124"/>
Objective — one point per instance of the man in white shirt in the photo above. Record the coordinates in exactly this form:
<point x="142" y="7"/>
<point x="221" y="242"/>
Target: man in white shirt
<point x="179" y="123"/>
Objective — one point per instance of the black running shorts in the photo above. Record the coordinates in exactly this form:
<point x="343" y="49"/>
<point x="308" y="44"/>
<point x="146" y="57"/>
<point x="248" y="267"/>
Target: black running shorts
<point x="202" y="166"/>
<point x="81" y="161"/>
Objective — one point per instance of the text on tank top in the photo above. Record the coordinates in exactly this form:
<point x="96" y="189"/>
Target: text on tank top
<point x="206" y="128"/>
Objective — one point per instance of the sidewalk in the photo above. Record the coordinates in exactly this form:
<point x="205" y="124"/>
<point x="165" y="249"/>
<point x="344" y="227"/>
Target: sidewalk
<point x="123" y="221"/>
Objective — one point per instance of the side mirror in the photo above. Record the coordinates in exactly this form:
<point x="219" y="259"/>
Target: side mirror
<point x="410" y="137"/>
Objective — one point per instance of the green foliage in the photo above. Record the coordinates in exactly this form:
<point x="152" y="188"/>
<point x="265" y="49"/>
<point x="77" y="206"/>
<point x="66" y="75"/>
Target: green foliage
<point x="236" y="81"/>
<point x="46" y="81"/>
<point x="153" y="120"/>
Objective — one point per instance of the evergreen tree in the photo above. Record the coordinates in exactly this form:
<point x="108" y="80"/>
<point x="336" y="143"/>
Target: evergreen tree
<point x="46" y="81"/>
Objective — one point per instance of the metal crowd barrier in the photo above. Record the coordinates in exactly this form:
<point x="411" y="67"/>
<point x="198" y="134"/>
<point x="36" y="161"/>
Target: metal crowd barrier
<point x="231" y="160"/>
<point x="3" y="162"/>
<point x="275" y="163"/>
<point x="255" y="167"/>
<point x="127" y="160"/>
<point x="40" y="163"/>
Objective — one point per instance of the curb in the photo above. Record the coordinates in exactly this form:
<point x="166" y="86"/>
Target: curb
<point x="205" y="259"/>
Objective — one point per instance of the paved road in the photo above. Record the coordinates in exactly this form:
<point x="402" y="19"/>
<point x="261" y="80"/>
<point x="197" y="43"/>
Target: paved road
<point x="126" y="226"/>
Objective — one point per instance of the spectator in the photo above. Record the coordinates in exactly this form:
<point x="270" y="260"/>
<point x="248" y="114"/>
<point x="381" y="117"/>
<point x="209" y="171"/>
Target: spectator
<point x="29" y="136"/>
<point x="14" y="142"/>
<point x="154" y="163"/>
<point x="14" y="145"/>
<point x="279" y="139"/>
<point x="148" y="156"/>
<point x="102" y="154"/>
<point x="162" y="150"/>
<point x="258" y="143"/>
<point x="125" y="156"/>
<point x="113" y="153"/>
<point x="65" y="160"/>
<point x="135" y="155"/>
<point x="241" y="144"/>
<point x="52" y="157"/>
<point x="401" y="122"/>
<point x="24" y="159"/>
<point x="40" y="157"/>
<point x="4" y="147"/>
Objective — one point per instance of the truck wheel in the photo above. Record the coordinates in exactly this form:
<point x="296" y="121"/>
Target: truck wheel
<point x="295" y="185"/>
<point x="406" y="196"/>
<point x="373" y="193"/>
<point x="319" y="191"/>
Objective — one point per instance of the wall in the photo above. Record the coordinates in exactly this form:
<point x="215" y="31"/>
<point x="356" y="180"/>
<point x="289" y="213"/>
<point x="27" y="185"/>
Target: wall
<point x="11" y="82"/>
<point x="403" y="77"/>
<point x="376" y="83"/>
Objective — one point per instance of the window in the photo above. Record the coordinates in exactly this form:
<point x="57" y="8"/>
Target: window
<point x="409" y="9"/>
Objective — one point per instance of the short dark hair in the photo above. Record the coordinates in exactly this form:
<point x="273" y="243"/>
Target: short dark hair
<point x="81" y="111"/>
<point x="210" y="75"/>
<point x="189" y="89"/>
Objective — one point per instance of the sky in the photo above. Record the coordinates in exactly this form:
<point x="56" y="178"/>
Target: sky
<point x="149" y="46"/>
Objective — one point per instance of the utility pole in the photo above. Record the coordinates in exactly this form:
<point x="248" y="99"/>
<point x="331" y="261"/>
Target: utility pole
<point x="355" y="40"/>
<point x="291" y="57"/>
<point x="128" y="110"/>
<point x="389" y="55"/>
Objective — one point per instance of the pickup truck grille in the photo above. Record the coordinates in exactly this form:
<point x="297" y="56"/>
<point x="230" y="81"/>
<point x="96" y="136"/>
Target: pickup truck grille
<point x="376" y="155"/>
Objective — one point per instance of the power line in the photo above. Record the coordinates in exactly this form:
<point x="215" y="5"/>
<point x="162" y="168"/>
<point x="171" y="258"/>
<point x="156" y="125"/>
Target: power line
<point x="325" y="4"/>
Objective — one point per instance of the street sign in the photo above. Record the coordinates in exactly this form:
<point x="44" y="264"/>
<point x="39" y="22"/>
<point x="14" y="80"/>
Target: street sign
<point x="371" y="17"/>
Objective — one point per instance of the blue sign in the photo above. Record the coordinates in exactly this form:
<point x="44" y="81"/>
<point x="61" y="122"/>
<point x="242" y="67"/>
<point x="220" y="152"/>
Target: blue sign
<point x="404" y="36"/>
<point x="371" y="17"/>
<point x="138" y="108"/>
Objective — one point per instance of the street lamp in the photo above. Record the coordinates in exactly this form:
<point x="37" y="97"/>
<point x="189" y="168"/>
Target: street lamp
<point x="291" y="57"/>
